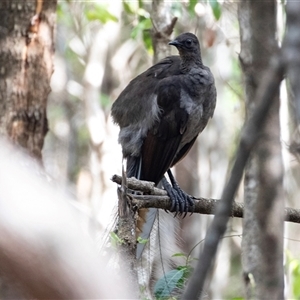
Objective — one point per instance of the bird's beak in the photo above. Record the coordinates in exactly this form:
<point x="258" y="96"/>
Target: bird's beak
<point x="175" y="43"/>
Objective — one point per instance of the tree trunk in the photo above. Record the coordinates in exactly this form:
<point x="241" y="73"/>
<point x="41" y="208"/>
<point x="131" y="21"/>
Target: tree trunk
<point x="26" y="65"/>
<point x="263" y="213"/>
<point x="162" y="29"/>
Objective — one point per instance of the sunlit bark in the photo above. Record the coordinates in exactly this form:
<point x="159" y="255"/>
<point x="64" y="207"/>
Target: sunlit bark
<point x="26" y="50"/>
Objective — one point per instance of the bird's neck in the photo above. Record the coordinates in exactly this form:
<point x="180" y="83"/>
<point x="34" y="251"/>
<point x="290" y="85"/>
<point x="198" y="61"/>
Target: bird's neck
<point x="190" y="61"/>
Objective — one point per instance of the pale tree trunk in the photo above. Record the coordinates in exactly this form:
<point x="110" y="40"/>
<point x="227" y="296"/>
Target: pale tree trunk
<point x="263" y="214"/>
<point x="26" y="65"/>
<point x="26" y="50"/>
<point x="162" y="29"/>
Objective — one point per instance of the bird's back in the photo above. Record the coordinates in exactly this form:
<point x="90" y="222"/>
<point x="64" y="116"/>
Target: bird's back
<point x="142" y="88"/>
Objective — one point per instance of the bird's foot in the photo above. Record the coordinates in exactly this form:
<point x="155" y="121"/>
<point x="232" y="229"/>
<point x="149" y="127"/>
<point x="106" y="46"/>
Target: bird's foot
<point x="181" y="201"/>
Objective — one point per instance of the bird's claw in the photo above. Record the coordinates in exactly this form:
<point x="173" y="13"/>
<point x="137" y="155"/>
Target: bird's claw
<point x="181" y="202"/>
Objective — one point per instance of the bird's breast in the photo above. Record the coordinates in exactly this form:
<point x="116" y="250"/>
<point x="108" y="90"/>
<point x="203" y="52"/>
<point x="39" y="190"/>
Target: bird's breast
<point x="194" y="109"/>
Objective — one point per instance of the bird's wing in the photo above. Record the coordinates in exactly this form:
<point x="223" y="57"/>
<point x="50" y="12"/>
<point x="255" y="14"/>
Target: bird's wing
<point x="184" y="151"/>
<point x="136" y="100"/>
<point x="162" y="141"/>
<point x="149" y="113"/>
<point x="160" y="146"/>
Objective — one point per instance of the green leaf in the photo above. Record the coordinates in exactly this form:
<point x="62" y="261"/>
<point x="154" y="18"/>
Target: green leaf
<point x="191" y="6"/>
<point x="144" y="24"/>
<point x="115" y="240"/>
<point x="295" y="267"/>
<point x="187" y="271"/>
<point x="142" y="241"/>
<point x="165" y="285"/>
<point x="104" y="100"/>
<point x="62" y="14"/>
<point x="143" y="30"/>
<point x="99" y="12"/>
<point x="216" y="8"/>
<point x="128" y="8"/>
<point x="135" y="8"/>
<point x="147" y="40"/>
<point x="178" y="254"/>
<point x="141" y="4"/>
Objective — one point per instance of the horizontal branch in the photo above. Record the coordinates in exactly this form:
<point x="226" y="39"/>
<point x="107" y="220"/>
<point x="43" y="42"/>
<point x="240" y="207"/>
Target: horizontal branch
<point x="158" y="198"/>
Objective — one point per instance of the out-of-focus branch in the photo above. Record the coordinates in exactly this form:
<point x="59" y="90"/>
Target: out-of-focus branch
<point x="158" y="198"/>
<point x="42" y="243"/>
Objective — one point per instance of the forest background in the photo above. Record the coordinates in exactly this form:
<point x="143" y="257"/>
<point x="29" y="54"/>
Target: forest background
<point x="99" y="47"/>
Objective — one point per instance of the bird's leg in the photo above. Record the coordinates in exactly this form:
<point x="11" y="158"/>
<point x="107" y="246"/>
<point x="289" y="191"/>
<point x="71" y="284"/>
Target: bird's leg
<point x="187" y="200"/>
<point x="181" y="201"/>
<point x="172" y="193"/>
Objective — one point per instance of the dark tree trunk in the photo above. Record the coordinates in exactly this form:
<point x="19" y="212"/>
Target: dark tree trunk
<point x="263" y="212"/>
<point x="26" y="65"/>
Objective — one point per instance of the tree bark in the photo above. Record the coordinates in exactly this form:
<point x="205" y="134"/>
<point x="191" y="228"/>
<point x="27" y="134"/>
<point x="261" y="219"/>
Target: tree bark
<point x="263" y="213"/>
<point x="26" y="65"/>
<point x="162" y="29"/>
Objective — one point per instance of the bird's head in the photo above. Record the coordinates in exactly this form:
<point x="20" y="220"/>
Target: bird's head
<point x="186" y="42"/>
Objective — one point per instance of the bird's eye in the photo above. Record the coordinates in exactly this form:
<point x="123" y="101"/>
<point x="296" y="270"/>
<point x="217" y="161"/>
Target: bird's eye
<point x="188" y="43"/>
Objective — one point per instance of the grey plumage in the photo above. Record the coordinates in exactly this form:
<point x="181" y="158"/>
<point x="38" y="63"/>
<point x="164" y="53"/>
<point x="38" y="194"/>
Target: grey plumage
<point x="162" y="111"/>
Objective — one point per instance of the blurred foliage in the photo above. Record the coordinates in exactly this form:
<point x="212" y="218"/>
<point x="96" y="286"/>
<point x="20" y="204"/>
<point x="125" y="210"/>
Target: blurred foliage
<point x="216" y="8"/>
<point x="191" y="7"/>
<point x="138" y="15"/>
<point x="139" y="12"/>
<point x="293" y="265"/>
<point x="214" y="4"/>
<point x="98" y="11"/>
<point x="77" y="23"/>
<point x="92" y="11"/>
<point x="62" y="15"/>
